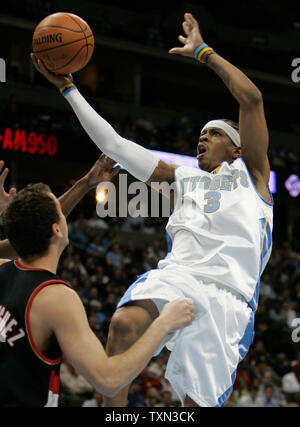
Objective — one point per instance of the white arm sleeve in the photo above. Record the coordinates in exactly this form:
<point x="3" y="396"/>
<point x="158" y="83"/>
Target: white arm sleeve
<point x="138" y="161"/>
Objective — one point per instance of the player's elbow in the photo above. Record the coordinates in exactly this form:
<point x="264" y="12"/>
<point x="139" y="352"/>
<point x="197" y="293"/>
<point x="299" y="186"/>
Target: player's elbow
<point x="110" y="386"/>
<point x="252" y="97"/>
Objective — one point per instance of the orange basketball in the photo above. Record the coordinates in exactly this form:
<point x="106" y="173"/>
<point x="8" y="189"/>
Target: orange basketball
<point x="64" y="42"/>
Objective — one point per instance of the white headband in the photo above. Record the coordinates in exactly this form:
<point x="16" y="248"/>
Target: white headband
<point x="229" y="130"/>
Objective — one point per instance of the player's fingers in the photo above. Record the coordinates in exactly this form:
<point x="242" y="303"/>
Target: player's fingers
<point x="183" y="40"/>
<point x="190" y="19"/>
<point x="34" y="61"/>
<point x="3" y="176"/>
<point x="186" y="28"/>
<point x="43" y="68"/>
<point x="115" y="171"/>
<point x="39" y="65"/>
<point x="107" y="162"/>
<point x="12" y="192"/>
<point x="1" y="165"/>
<point x="176" y="50"/>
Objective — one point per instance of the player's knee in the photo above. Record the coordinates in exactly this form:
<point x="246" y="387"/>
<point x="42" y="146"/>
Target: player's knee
<point x="123" y="329"/>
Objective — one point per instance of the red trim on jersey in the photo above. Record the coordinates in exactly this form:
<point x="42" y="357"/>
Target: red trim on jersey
<point x="21" y="267"/>
<point x="28" y="328"/>
<point x="54" y="382"/>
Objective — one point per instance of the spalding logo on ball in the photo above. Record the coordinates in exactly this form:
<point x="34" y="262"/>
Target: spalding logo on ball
<point x="64" y="42"/>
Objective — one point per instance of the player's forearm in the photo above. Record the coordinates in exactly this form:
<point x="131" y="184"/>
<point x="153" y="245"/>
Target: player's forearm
<point x="72" y="197"/>
<point x="138" y="161"/>
<point x="6" y="250"/>
<point x="242" y="88"/>
<point x="126" y="366"/>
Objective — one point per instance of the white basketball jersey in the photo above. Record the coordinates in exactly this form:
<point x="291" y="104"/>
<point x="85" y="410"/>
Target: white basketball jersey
<point x="221" y="228"/>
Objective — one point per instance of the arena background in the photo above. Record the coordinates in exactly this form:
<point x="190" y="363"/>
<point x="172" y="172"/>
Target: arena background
<point x="160" y="101"/>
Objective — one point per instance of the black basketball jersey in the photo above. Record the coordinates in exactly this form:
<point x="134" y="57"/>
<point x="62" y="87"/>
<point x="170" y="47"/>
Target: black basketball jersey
<point x="27" y="377"/>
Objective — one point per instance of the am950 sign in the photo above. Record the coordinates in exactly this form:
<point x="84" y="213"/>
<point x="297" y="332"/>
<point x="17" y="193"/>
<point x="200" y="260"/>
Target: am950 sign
<point x="28" y="142"/>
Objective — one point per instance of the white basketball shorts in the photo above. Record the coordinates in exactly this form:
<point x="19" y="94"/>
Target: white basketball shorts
<point x="205" y="355"/>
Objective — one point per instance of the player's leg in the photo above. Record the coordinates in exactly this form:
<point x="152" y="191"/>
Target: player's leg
<point x="189" y="403"/>
<point x="127" y="325"/>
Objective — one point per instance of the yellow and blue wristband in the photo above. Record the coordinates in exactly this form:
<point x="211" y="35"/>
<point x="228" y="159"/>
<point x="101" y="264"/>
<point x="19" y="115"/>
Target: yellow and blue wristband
<point x="201" y="50"/>
<point x="64" y="90"/>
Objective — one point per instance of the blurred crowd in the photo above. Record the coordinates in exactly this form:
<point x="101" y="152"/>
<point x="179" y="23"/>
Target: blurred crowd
<point x="180" y="135"/>
<point x="101" y="262"/>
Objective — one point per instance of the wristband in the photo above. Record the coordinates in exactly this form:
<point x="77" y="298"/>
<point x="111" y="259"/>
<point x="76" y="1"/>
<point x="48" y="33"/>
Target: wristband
<point x="208" y="55"/>
<point x="198" y="50"/>
<point x="205" y="50"/>
<point x="67" y="88"/>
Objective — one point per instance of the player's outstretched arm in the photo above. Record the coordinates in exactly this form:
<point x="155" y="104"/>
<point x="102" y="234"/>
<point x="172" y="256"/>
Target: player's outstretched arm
<point x="138" y="161"/>
<point x="5" y="197"/>
<point x="102" y="171"/>
<point x="61" y="311"/>
<point x="252" y="122"/>
<point x="6" y="250"/>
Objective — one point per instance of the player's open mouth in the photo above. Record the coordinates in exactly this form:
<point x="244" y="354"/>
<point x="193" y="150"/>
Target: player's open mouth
<point x="201" y="151"/>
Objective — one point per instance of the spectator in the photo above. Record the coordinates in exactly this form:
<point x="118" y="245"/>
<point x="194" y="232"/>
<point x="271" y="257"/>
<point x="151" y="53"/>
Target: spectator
<point x="269" y="379"/>
<point x="74" y="386"/>
<point x="158" y="367"/>
<point x="251" y="400"/>
<point x="96" y="223"/>
<point x="291" y="384"/>
<point x="268" y="399"/>
<point x="148" y="381"/>
<point x="153" y="397"/>
<point x="166" y="400"/>
<point x="135" y="398"/>
<point x="114" y="257"/>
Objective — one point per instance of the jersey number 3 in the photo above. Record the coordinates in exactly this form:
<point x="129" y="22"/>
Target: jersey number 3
<point x="213" y="201"/>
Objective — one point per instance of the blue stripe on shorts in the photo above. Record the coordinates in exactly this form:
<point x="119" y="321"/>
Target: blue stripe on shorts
<point x="244" y="345"/>
<point x="126" y="298"/>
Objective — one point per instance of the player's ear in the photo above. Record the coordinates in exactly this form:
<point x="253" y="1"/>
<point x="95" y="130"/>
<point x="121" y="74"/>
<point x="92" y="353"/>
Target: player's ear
<point x="56" y="230"/>
<point x="237" y="153"/>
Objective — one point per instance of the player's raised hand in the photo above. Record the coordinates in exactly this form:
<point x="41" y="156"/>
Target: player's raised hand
<point x="56" y="79"/>
<point x="5" y="197"/>
<point x="102" y="171"/>
<point x="193" y="37"/>
<point x="178" y="313"/>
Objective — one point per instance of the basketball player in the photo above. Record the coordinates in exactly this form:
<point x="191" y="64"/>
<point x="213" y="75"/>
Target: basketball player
<point x="100" y="172"/>
<point x="41" y="317"/>
<point x="220" y="234"/>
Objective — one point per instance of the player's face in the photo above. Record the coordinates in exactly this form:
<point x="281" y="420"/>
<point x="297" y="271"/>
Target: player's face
<point x="215" y="147"/>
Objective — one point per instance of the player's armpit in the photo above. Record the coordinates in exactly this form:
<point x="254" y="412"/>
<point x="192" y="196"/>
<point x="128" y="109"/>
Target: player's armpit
<point x="164" y="172"/>
<point x="163" y="181"/>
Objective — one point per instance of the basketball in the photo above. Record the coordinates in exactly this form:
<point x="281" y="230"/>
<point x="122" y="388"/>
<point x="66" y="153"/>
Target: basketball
<point x="64" y="42"/>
